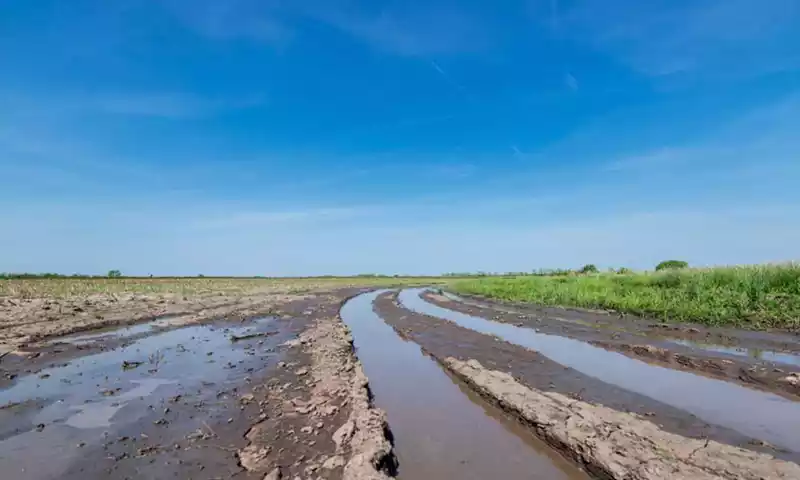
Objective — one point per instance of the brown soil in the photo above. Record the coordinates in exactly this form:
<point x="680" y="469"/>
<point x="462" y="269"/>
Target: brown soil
<point x="638" y="339"/>
<point x="296" y="405"/>
<point x="618" y="445"/>
<point x="443" y="339"/>
<point x="323" y="424"/>
<point x="25" y="321"/>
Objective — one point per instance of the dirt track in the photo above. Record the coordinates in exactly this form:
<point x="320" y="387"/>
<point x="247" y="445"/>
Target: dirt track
<point x="269" y="386"/>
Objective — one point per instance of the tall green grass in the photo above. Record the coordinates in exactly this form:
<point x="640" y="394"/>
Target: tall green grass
<point x="756" y="297"/>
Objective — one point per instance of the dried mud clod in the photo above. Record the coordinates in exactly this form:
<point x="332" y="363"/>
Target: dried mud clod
<point x="617" y="445"/>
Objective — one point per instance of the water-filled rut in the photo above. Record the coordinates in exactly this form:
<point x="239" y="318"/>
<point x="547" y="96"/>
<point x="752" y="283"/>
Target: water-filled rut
<point x="757" y="414"/>
<point x="440" y="428"/>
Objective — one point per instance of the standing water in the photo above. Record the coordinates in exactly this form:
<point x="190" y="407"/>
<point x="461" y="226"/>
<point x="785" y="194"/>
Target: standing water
<point x="439" y="431"/>
<point x="763" y="416"/>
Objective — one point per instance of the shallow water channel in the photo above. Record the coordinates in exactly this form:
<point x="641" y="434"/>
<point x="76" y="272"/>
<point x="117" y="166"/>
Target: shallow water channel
<point x="441" y="429"/>
<point x="757" y="414"/>
<point x="754" y="353"/>
<point x="758" y="354"/>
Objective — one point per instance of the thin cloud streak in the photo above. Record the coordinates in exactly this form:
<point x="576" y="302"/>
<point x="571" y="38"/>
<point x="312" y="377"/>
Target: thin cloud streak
<point x="571" y="82"/>
<point x="461" y="89"/>
<point x="719" y="38"/>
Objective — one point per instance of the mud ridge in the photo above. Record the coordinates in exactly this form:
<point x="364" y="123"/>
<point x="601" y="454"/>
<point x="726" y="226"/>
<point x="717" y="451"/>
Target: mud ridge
<point x="616" y="445"/>
<point x="361" y="449"/>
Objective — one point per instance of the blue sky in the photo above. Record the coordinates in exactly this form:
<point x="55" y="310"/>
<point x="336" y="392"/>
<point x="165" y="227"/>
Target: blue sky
<point x="311" y="137"/>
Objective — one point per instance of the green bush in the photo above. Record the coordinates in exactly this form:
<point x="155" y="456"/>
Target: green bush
<point x="671" y="265"/>
<point x="114" y="274"/>
<point x="589" y="268"/>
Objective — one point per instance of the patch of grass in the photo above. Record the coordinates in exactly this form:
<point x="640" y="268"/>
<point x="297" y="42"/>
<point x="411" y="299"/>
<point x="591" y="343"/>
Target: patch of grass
<point x="77" y="287"/>
<point x="756" y="297"/>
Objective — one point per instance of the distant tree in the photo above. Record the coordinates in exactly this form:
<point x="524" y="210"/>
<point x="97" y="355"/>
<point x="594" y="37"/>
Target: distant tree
<point x="624" y="270"/>
<point x="114" y="274"/>
<point x="671" y="265"/>
<point x="200" y="275"/>
<point x="589" y="268"/>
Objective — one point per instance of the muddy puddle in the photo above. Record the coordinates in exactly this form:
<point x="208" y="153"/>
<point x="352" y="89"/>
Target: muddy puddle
<point x="760" y="415"/>
<point x="112" y="333"/>
<point x="72" y="410"/>
<point x="753" y="353"/>
<point x="441" y="430"/>
<point x="508" y="309"/>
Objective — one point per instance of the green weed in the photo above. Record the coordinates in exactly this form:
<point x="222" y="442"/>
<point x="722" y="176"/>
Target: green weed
<point x="757" y="297"/>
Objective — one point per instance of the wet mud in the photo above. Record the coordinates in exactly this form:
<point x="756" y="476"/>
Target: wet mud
<point x="444" y="339"/>
<point x="761" y="415"/>
<point x="177" y="401"/>
<point x="441" y="428"/>
<point x="745" y="361"/>
<point x="778" y="340"/>
<point x="24" y="321"/>
<point x="619" y="445"/>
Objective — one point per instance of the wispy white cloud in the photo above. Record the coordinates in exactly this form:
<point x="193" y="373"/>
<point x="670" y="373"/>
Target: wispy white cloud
<point x="658" y="159"/>
<point x="717" y="37"/>
<point x="401" y="29"/>
<point x="255" y="20"/>
<point x="571" y="82"/>
<point x="517" y="152"/>
<point x="167" y="105"/>
<point x="457" y="86"/>
<point x="251" y="219"/>
<point x="69" y="105"/>
<point x="456" y="170"/>
<point x="405" y="29"/>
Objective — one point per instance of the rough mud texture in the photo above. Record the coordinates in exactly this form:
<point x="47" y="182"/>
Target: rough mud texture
<point x="325" y="417"/>
<point x="618" y="445"/>
<point x="27" y="320"/>
<point x="443" y="339"/>
<point x="642" y="340"/>
<point x="232" y="399"/>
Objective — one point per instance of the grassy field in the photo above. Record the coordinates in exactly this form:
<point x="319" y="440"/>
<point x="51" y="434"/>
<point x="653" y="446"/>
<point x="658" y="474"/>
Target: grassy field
<point x="754" y="297"/>
<point x="71" y="287"/>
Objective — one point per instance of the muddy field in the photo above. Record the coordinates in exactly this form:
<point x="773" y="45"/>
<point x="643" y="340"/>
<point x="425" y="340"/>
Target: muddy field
<point x="360" y="383"/>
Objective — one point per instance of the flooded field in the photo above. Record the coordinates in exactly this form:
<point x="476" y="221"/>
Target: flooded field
<point x="361" y="383"/>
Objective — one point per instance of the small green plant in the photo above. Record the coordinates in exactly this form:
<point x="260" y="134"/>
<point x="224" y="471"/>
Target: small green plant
<point x="589" y="268"/>
<point x="671" y="265"/>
